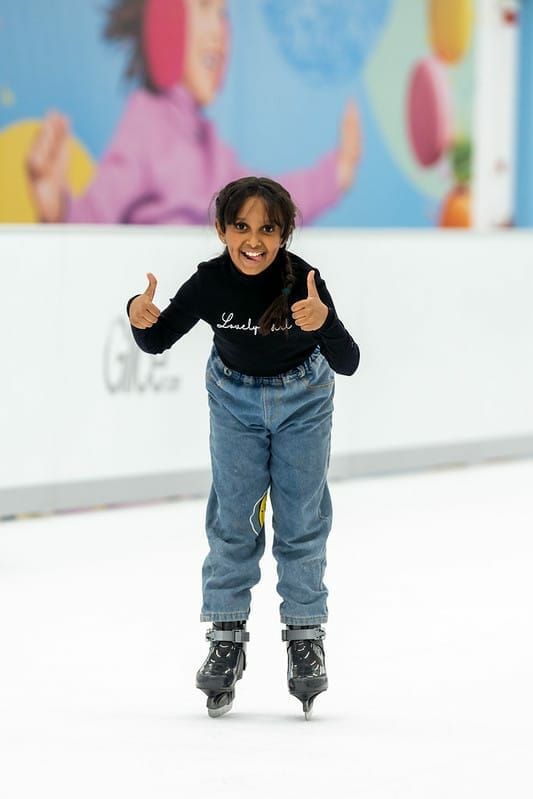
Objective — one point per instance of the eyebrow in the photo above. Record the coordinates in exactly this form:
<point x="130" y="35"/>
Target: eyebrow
<point x="268" y="222"/>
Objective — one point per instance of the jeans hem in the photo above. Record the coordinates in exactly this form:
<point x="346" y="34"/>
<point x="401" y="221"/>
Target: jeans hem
<point x="242" y="615"/>
<point x="303" y="620"/>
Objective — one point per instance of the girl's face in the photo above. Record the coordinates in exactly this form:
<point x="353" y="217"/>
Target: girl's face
<point x="253" y="241"/>
<point x="206" y="48"/>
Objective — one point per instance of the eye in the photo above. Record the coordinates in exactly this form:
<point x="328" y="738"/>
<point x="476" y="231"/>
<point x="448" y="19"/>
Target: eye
<point x="240" y="226"/>
<point x="269" y="228"/>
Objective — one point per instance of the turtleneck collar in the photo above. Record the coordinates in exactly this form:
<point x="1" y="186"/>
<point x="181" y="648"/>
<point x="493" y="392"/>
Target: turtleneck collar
<point x="265" y="276"/>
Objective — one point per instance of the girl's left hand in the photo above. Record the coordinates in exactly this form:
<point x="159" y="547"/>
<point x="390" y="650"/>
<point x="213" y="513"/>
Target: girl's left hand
<point x="349" y="152"/>
<point x="310" y="314"/>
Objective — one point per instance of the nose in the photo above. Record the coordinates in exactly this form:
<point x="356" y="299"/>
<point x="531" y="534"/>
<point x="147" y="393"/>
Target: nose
<point x="253" y="240"/>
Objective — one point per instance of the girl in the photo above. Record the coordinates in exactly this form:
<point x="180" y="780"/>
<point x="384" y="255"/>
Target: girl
<point x="166" y="160"/>
<point x="270" y="381"/>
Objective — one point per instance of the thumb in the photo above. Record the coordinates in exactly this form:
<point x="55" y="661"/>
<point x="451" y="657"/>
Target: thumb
<point x="152" y="285"/>
<point x="311" y="285"/>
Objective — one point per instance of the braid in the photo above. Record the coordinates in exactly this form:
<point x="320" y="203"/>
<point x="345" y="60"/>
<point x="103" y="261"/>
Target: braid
<point x="277" y="314"/>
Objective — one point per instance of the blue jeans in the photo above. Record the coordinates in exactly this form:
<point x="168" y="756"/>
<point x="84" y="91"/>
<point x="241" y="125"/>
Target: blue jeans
<point x="268" y="433"/>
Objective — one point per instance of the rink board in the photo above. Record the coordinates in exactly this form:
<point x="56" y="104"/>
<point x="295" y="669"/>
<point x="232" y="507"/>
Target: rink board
<point x="442" y="318"/>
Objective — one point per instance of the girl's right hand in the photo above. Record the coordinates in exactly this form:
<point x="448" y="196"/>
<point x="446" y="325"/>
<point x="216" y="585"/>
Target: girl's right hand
<point x="46" y="168"/>
<point x="143" y="312"/>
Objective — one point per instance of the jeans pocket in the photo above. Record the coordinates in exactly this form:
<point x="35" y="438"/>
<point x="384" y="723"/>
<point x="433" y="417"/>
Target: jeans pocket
<point x="216" y="374"/>
<point x="319" y="386"/>
<point x="321" y="377"/>
<point x="210" y="380"/>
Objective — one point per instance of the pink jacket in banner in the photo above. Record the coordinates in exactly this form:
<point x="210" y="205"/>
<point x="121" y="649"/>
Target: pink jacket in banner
<point x="166" y="162"/>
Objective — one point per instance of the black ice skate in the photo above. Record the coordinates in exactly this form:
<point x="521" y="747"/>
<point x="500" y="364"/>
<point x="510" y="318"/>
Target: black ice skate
<point x="223" y="666"/>
<point x="306" y="670"/>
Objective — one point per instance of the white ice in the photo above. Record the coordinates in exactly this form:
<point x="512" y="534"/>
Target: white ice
<point x="429" y="652"/>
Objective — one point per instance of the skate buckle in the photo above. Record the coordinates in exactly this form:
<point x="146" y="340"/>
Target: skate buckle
<point x="310" y="634"/>
<point x="236" y="636"/>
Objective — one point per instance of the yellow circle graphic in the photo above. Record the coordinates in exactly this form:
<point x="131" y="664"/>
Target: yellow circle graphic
<point x="15" y="200"/>
<point x="450" y="28"/>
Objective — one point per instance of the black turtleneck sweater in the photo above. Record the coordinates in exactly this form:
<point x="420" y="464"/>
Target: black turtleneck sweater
<point x="232" y="303"/>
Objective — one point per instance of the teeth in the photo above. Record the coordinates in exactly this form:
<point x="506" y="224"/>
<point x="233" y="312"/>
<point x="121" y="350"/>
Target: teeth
<point x="252" y="254"/>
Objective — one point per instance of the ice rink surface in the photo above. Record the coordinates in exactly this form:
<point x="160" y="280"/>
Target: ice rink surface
<point x="429" y="653"/>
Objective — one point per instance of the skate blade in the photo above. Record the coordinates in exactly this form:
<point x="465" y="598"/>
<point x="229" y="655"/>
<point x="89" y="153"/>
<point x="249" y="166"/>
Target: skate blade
<point x="308" y="707"/>
<point x="216" y="712"/>
<point x="308" y="704"/>
<point x="219" y="705"/>
<point x="307" y="695"/>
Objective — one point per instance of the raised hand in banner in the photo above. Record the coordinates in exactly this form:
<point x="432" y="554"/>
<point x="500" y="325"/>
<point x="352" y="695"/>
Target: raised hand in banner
<point x="349" y="149"/>
<point x="46" y="168"/>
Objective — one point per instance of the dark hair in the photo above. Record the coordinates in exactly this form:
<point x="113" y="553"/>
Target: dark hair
<point x="281" y="211"/>
<point x="125" y="19"/>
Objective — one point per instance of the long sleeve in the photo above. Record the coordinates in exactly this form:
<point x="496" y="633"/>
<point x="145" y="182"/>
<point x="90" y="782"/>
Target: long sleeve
<point x="174" y="321"/>
<point x="121" y="181"/>
<point x="157" y="168"/>
<point x="314" y="189"/>
<point x="337" y="345"/>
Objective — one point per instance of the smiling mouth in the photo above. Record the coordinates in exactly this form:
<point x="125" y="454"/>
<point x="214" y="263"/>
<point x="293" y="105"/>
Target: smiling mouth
<point x="253" y="256"/>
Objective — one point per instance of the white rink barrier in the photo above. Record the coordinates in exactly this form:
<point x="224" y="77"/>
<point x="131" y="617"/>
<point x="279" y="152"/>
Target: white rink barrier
<point x="443" y="320"/>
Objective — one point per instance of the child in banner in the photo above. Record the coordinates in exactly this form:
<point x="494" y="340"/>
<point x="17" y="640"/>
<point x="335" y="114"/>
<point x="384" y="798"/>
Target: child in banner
<point x="270" y="380"/>
<point x="166" y="160"/>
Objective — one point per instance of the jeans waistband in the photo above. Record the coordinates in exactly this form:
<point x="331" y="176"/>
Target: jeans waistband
<point x="298" y="373"/>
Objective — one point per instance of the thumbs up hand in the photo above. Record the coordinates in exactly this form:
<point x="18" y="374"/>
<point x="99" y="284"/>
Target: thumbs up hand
<point x="310" y="314"/>
<point x="143" y="312"/>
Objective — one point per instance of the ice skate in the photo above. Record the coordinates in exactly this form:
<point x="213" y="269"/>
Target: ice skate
<point x="223" y="666"/>
<point x="306" y="668"/>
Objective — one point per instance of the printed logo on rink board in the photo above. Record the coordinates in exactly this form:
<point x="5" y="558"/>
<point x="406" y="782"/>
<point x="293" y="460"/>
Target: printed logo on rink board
<point x="129" y="370"/>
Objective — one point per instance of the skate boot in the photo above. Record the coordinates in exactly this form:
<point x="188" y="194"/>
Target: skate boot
<point x="306" y="669"/>
<point x="223" y="666"/>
